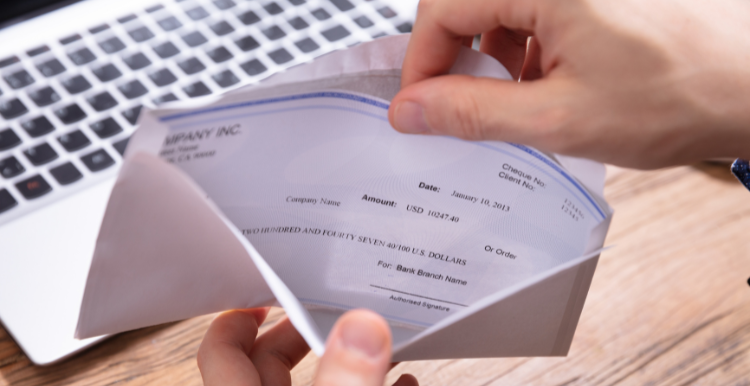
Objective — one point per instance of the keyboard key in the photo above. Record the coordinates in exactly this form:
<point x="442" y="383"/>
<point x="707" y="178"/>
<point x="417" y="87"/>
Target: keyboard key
<point x="40" y="154"/>
<point x="225" y="78"/>
<point x="335" y="33"/>
<point x="387" y="12"/>
<point x="364" y="22"/>
<point x="102" y="101"/>
<point x="126" y="19"/>
<point x="107" y="72"/>
<point x="8" y="61"/>
<point x="297" y="2"/>
<point x="253" y="67"/>
<point x="19" y="79"/>
<point x="8" y="139"/>
<point x="82" y="56"/>
<point x="247" y="43"/>
<point x="137" y="61"/>
<point x="12" y="109"/>
<point x="112" y="45"/>
<point x="11" y="167"/>
<point x="343" y="5"/>
<point x="70" y="39"/>
<point x="36" y="51"/>
<point x="197" y="89"/>
<point x="298" y="23"/>
<point x="6" y="200"/>
<point x="219" y="54"/>
<point x="405" y="27"/>
<point x="191" y="66"/>
<point x="280" y="56"/>
<point x="166" y="50"/>
<point x="194" y="39"/>
<point x="248" y="18"/>
<point x="140" y="34"/>
<point x="33" y="187"/>
<point x="273" y="8"/>
<point x="76" y="84"/>
<point x="165" y="98"/>
<point x="98" y="160"/>
<point x="44" y="96"/>
<point x="100" y="28"/>
<point x="121" y="145"/>
<point x="75" y="140"/>
<point x="70" y="114"/>
<point x="38" y="126"/>
<point x="222" y="28"/>
<point x="133" y="89"/>
<point x="321" y="14"/>
<point x="169" y="24"/>
<point x="131" y="114"/>
<point x="66" y="173"/>
<point x="154" y="8"/>
<point x="106" y="128"/>
<point x="51" y="67"/>
<point x="224" y="4"/>
<point x="162" y="77"/>
<point x="307" y="45"/>
<point x="197" y="13"/>
<point x="274" y="32"/>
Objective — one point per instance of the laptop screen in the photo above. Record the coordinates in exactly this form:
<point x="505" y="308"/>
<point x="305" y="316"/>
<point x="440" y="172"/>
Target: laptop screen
<point x="12" y="11"/>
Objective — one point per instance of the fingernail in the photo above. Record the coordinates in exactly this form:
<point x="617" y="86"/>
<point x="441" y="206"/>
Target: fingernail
<point x="409" y="118"/>
<point x="363" y="336"/>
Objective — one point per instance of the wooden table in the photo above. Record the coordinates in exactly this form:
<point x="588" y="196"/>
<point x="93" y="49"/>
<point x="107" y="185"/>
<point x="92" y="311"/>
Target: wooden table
<point x="669" y="305"/>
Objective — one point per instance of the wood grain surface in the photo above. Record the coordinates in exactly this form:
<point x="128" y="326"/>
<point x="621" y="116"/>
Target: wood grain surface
<point x="669" y="305"/>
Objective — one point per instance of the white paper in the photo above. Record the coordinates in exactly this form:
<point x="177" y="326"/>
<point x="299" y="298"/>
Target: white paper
<point x="335" y="210"/>
<point x="351" y="213"/>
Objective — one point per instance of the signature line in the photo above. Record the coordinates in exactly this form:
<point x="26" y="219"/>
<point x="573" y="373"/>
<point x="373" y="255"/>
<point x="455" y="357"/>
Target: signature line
<point x="419" y="296"/>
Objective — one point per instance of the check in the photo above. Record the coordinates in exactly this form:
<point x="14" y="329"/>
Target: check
<point x="350" y="213"/>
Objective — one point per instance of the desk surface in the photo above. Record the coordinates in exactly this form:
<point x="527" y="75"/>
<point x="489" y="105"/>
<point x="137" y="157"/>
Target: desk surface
<point x="669" y="305"/>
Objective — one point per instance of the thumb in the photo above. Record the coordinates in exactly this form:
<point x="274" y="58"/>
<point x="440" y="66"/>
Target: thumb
<point x="482" y="109"/>
<point x="358" y="352"/>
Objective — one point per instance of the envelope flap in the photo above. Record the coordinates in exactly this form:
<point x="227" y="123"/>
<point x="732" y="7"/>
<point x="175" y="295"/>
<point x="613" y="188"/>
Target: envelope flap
<point x="537" y="320"/>
<point x="195" y="268"/>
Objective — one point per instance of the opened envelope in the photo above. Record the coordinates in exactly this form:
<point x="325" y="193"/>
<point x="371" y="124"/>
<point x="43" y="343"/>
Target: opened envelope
<point x="298" y="193"/>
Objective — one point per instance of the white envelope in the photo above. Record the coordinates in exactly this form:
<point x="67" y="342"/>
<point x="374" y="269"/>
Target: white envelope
<point x="165" y="252"/>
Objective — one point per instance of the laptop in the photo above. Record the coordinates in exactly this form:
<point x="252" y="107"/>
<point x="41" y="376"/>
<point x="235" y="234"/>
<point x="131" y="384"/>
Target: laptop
<point x="73" y="78"/>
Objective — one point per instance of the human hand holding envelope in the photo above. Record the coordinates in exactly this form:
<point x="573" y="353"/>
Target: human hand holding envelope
<point x="298" y="193"/>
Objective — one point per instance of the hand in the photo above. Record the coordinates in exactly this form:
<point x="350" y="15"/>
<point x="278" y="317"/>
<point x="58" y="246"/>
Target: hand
<point x="357" y="353"/>
<point x="635" y="83"/>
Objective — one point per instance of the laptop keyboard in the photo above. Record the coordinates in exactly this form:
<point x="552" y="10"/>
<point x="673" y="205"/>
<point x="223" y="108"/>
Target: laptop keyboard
<point x="68" y="108"/>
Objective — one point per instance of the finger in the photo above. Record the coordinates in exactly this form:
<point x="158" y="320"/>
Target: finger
<point x="277" y="351"/>
<point x="358" y="351"/>
<point x="223" y="354"/>
<point x="406" y="380"/>
<point x="468" y="41"/>
<point x="441" y="25"/>
<point x="532" y="66"/>
<point x="508" y="47"/>
<point x="484" y="109"/>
